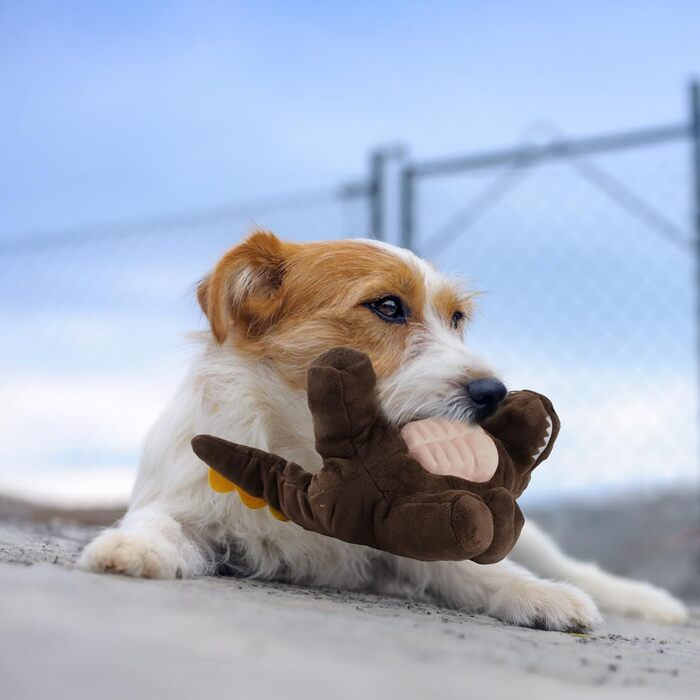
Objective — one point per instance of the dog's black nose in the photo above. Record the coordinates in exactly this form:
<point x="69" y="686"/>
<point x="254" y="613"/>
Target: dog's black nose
<point x="486" y="394"/>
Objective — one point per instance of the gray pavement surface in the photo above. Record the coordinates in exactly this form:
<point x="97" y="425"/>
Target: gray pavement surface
<point x="69" y="634"/>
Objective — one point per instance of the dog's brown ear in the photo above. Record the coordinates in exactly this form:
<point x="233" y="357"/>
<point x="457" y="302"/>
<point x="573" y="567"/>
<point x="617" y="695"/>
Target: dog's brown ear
<point x="244" y="284"/>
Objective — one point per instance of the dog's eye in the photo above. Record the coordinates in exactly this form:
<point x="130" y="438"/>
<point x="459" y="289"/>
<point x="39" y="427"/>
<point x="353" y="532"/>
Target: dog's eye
<point x="388" y="309"/>
<point x="457" y="318"/>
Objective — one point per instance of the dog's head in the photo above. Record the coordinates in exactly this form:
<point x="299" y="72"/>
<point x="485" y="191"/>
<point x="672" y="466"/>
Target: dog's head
<point x="286" y="303"/>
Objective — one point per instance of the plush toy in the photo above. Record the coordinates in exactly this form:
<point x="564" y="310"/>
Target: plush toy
<point x="434" y="490"/>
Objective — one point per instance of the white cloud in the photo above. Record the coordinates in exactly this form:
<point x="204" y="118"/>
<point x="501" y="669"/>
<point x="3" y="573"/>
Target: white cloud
<point x="76" y="439"/>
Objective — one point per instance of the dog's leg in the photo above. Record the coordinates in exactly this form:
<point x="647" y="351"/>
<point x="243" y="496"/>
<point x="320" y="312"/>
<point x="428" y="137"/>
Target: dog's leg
<point x="538" y="552"/>
<point x="504" y="590"/>
<point x="147" y="543"/>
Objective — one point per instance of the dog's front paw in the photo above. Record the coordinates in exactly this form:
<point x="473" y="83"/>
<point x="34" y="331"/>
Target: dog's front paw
<point x="545" y="605"/>
<point x="120" y="552"/>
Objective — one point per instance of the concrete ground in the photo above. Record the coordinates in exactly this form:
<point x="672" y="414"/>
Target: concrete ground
<point x="65" y="633"/>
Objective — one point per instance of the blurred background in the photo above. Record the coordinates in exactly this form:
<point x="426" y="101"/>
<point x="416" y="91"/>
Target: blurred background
<point x="548" y="153"/>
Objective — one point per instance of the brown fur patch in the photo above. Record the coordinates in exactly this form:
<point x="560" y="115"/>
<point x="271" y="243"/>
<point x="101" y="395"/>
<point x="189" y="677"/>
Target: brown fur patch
<point x="287" y="303"/>
<point x="449" y="299"/>
<point x="243" y="284"/>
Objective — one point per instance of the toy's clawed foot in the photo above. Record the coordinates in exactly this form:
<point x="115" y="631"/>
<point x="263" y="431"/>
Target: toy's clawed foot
<point x="527" y="424"/>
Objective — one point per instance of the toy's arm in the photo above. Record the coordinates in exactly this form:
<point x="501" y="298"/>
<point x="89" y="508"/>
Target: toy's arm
<point x="341" y="388"/>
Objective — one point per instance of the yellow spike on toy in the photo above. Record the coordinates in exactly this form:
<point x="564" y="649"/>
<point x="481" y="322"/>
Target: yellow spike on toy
<point x="251" y="501"/>
<point x="220" y="483"/>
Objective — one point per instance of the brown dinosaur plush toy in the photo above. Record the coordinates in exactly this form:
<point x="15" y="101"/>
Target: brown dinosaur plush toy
<point x="398" y="490"/>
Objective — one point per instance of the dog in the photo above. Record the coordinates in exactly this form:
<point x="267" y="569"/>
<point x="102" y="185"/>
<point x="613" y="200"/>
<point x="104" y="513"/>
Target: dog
<point x="272" y="307"/>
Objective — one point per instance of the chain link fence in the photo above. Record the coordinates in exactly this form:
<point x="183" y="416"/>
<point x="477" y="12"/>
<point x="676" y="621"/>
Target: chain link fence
<point x="96" y="324"/>
<point x="585" y="252"/>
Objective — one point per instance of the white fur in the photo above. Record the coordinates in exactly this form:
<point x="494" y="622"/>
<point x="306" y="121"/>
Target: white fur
<point x="431" y="380"/>
<point x="177" y="526"/>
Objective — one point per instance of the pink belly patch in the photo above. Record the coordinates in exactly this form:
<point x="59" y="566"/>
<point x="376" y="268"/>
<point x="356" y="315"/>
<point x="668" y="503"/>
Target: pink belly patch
<point x="451" y="447"/>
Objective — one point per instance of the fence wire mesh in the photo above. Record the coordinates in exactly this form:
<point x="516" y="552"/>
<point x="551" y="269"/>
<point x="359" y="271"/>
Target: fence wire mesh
<point x="588" y="272"/>
<point x="96" y="323"/>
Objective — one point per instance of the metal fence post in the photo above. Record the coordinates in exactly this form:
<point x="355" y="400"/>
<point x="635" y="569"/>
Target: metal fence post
<point x="376" y="195"/>
<point x="377" y="191"/>
<point x="407" y="207"/>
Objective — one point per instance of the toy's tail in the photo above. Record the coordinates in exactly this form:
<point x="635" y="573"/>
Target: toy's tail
<point x="259" y="474"/>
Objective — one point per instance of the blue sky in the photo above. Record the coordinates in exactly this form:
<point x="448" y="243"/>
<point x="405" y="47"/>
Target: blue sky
<point x="114" y="110"/>
<point x="120" y="108"/>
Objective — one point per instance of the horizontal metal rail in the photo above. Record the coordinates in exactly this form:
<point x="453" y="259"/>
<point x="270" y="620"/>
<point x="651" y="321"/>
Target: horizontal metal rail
<point x="530" y="155"/>
<point x="180" y="221"/>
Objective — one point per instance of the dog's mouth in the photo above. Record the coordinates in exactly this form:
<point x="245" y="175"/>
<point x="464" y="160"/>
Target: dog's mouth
<point x="458" y="408"/>
<point x="450" y="403"/>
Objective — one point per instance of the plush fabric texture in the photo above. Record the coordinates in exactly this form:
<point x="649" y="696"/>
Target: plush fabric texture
<point x="372" y="492"/>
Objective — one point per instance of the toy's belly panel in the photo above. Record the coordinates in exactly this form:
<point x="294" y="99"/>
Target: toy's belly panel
<point x="451" y="447"/>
